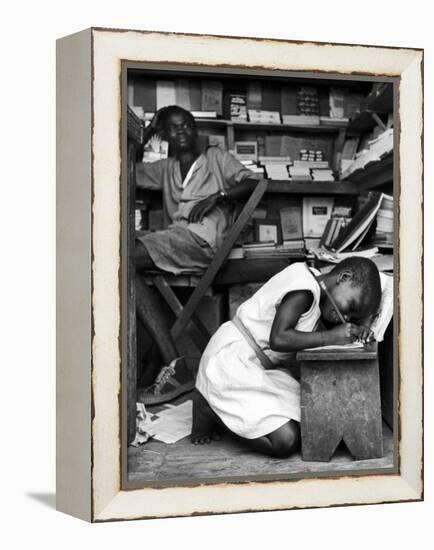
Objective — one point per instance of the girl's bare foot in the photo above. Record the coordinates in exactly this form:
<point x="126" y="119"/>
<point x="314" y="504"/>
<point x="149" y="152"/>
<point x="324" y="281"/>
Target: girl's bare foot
<point x="205" y="422"/>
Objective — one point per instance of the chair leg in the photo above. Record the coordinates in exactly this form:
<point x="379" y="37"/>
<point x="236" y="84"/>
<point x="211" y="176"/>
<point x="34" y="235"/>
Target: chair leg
<point x="194" y="326"/>
<point x="148" y="310"/>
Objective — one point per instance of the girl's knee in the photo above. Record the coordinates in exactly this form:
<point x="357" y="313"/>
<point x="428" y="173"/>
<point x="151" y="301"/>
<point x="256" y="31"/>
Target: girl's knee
<point x="286" y="442"/>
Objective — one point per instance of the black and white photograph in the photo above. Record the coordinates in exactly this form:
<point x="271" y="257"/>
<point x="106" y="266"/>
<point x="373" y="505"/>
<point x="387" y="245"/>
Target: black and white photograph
<point x="258" y="264"/>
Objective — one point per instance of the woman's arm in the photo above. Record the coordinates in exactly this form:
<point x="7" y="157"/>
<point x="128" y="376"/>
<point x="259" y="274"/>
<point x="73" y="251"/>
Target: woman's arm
<point x="284" y="337"/>
<point x="240" y="191"/>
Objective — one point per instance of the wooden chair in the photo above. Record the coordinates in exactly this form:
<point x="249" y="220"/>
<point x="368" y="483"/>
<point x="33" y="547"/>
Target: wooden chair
<point x="185" y="314"/>
<point x="340" y="400"/>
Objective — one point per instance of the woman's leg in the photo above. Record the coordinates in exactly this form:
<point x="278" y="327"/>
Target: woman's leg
<point x="149" y="309"/>
<point x="281" y="443"/>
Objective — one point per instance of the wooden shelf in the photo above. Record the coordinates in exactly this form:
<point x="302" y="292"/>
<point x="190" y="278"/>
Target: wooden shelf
<point x="313" y="187"/>
<point x="250" y="270"/>
<point x="321" y="129"/>
<point x="306" y="187"/>
<point x="374" y="175"/>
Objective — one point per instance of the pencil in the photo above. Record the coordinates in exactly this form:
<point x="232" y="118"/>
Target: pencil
<point x="330" y="297"/>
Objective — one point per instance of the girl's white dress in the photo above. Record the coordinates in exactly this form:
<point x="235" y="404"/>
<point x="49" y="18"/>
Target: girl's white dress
<point x="250" y="400"/>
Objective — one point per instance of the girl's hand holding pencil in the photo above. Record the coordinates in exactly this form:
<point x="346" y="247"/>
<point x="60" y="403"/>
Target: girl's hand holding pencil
<point x="345" y="333"/>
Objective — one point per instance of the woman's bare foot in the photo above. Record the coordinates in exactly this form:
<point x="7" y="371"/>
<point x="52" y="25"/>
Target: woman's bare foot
<point x="205" y="422"/>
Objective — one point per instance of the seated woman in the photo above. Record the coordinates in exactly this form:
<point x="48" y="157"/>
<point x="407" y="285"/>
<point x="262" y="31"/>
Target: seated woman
<point x="242" y="382"/>
<point x="198" y="189"/>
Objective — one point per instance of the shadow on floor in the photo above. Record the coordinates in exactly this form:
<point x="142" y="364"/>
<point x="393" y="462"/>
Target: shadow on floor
<point x="47" y="499"/>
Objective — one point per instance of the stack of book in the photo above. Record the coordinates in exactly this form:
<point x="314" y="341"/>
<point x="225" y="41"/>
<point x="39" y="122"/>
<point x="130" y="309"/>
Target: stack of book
<point x="259" y="116"/>
<point x="301" y="120"/>
<point x="300" y="170"/>
<point x="270" y="250"/>
<point x="352" y="235"/>
<point x="377" y="149"/>
<point x="322" y="174"/>
<point x="253" y="166"/>
<point x="276" y="167"/>
<point x="384" y="230"/>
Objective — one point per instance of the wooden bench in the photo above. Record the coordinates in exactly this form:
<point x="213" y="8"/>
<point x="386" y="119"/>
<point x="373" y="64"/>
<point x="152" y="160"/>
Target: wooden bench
<point x="340" y="400"/>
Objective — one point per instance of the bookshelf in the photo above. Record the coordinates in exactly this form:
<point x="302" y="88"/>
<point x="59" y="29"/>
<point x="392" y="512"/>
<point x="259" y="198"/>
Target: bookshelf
<point x="363" y="112"/>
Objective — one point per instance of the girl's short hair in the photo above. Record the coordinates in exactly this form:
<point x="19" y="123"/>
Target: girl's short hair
<point x="366" y="276"/>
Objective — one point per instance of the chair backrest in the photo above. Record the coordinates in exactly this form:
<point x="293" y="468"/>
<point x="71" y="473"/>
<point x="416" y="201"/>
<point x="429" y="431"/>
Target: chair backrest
<point x="219" y="258"/>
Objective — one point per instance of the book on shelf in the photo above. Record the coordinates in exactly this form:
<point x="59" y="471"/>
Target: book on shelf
<point x="300" y="173"/>
<point x="349" y="149"/>
<point x="263" y="117"/>
<point x="254" y="94"/>
<point x="291" y="223"/>
<point x="311" y="164"/>
<point x="182" y="93"/>
<point x="301" y="120"/>
<point x="138" y="111"/>
<point x="212" y="96"/>
<point x="288" y="100"/>
<point x="273" y="145"/>
<point x="331" y="121"/>
<point x="257" y="169"/>
<point x="237" y="253"/>
<point x="204" y="114"/>
<point x="246" y="150"/>
<point x="166" y="94"/>
<point x="238" y="107"/>
<point x="316" y="212"/>
<point x="195" y="88"/>
<point x="322" y="174"/>
<point x="297" y="244"/>
<point x="263" y="159"/>
<point x="377" y="149"/>
<point x="144" y="94"/>
<point x="337" y="97"/>
<point x="273" y="251"/>
<point x="276" y="171"/>
<point x="353" y="104"/>
<point x="271" y="100"/>
<point x="357" y="229"/>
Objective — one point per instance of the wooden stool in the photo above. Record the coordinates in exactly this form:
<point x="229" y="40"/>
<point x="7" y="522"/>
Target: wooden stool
<point x="340" y="399"/>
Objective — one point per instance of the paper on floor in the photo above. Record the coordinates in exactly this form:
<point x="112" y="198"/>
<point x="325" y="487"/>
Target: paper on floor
<point x="172" y="424"/>
<point x="143" y="421"/>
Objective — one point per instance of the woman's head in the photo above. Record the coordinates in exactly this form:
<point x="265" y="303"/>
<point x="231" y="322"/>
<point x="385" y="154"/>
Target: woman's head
<point x="178" y="128"/>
